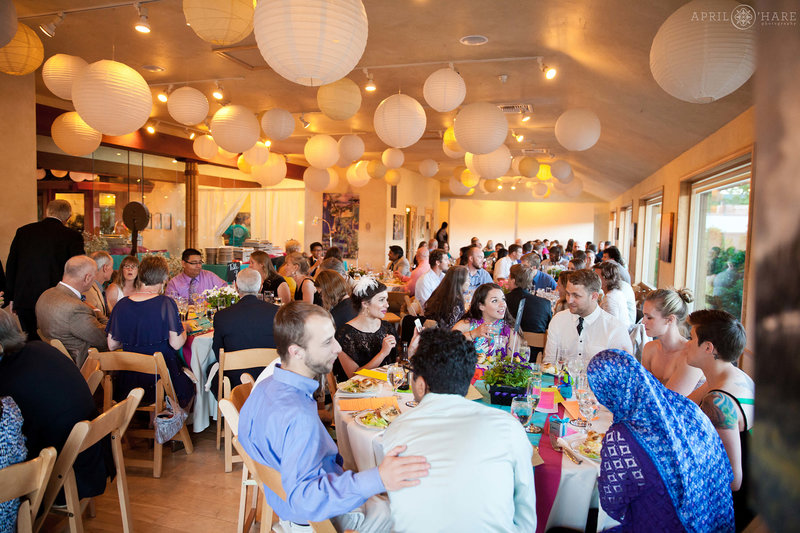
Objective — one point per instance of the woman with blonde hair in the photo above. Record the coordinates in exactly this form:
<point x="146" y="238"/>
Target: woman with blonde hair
<point x="124" y="283"/>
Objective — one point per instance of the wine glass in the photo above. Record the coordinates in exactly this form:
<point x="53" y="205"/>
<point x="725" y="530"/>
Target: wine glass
<point x="396" y="376"/>
<point x="534" y="392"/>
<point x="587" y="404"/>
<point x="561" y="360"/>
<point x="522" y="410"/>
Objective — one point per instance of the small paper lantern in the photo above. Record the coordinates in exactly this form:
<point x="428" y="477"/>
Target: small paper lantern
<point x="8" y="22"/>
<point x="272" y="172"/>
<point x="393" y="158"/>
<point x="362" y="170"/>
<point x="568" y="179"/>
<point x="74" y="136"/>
<point x="575" y="188"/>
<point x="449" y="139"/>
<point x="399" y="121"/>
<point x="701" y="60"/>
<point x="491" y="185"/>
<point x="220" y="22"/>
<point x="428" y="168"/>
<point x="457" y="188"/>
<point x="317" y="179"/>
<point x="354" y="179"/>
<point x="112" y="98"/>
<point x="393" y="177"/>
<point x="257" y="155"/>
<point x="40" y="172"/>
<point x="321" y="151"/>
<point x="334" y="179"/>
<point x="560" y="185"/>
<point x="540" y="189"/>
<point x="58" y="173"/>
<point x="235" y="128"/>
<point x="480" y="128"/>
<point x="444" y="90"/>
<point x="81" y="176"/>
<point x="458" y="170"/>
<point x="451" y="154"/>
<point x="560" y="169"/>
<point x="278" y="124"/>
<point x="312" y="42"/>
<point x="515" y="164"/>
<point x="205" y="147"/>
<point x="491" y="165"/>
<point x="376" y="169"/>
<point x="60" y="71"/>
<point x="351" y="147"/>
<point x="23" y="54"/>
<point x="544" y="173"/>
<point x="578" y="129"/>
<point x="243" y="165"/>
<point x="339" y="100"/>
<point x="528" y="167"/>
<point x="468" y="178"/>
<point x="188" y="106"/>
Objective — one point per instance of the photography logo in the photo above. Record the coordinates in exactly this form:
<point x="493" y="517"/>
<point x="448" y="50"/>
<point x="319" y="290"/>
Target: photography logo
<point x="743" y="17"/>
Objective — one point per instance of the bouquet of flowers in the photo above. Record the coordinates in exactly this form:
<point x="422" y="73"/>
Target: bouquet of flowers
<point x="221" y="297"/>
<point x="509" y="371"/>
<point x="554" y="271"/>
<point x="357" y="272"/>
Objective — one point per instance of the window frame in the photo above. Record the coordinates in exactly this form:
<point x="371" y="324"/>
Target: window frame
<point x="646" y="207"/>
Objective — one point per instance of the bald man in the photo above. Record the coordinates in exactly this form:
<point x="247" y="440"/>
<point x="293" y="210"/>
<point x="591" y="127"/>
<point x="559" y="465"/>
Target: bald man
<point x="62" y="312"/>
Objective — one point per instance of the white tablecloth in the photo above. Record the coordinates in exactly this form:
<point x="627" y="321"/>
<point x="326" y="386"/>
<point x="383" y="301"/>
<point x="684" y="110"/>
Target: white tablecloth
<point x="205" y="405"/>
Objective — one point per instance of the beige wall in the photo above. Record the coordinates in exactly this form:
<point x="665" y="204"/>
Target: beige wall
<point x="167" y="198"/>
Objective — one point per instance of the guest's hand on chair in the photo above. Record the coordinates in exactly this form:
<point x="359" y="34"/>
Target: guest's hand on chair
<point x="399" y="472"/>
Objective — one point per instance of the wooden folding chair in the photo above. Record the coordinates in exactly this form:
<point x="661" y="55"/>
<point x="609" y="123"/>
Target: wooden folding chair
<point x="537" y="342"/>
<point x="85" y="434"/>
<point x="27" y="481"/>
<point x="91" y="373"/>
<point x="156" y="367"/>
<point x="237" y="360"/>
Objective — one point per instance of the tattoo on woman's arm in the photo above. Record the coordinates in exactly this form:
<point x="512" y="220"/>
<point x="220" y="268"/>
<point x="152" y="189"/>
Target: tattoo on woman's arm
<point x="721" y="410"/>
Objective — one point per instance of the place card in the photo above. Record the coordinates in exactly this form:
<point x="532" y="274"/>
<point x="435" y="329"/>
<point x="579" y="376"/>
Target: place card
<point x="536" y="459"/>
<point x="373" y="374"/>
<point x="361" y="404"/>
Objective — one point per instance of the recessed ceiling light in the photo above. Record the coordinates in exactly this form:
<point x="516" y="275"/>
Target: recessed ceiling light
<point x="153" y="68"/>
<point x="473" y="40"/>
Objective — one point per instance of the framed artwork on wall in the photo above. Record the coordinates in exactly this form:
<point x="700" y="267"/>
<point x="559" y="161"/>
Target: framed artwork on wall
<point x="156" y="219"/>
<point x="398" y="225"/>
<point x="166" y="221"/>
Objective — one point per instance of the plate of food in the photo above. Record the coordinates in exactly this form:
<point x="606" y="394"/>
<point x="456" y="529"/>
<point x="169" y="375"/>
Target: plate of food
<point x="362" y="386"/>
<point x="549" y="368"/>
<point x="589" y="445"/>
<point x="377" y="419"/>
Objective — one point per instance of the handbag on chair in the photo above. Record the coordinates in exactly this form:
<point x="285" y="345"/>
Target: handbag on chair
<point x="169" y="422"/>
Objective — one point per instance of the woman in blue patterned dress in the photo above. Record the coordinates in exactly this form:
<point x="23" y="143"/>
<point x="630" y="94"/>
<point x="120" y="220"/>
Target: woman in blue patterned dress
<point x="487" y="322"/>
<point x="12" y="451"/>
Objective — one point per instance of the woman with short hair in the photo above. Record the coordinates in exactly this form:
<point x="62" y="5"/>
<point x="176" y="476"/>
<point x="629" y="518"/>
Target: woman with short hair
<point x="332" y="290"/>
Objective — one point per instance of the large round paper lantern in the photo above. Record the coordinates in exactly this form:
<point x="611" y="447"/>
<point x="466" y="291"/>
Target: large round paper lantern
<point x="278" y="124"/>
<point x="339" y="100"/>
<point x="188" y="106"/>
<point x="224" y="154"/>
<point x="444" y="90"/>
<point x="480" y="128"/>
<point x="491" y="165"/>
<point x="528" y="167"/>
<point x="40" y="172"/>
<point x="272" y="172"/>
<point x="8" y="22"/>
<point x="457" y="188"/>
<point x="23" y="54"/>
<point x="515" y="164"/>
<point x="469" y="178"/>
<point x="235" y="128"/>
<point x="321" y="151"/>
<point x="243" y="165"/>
<point x="491" y="185"/>
<point x="450" y="153"/>
<point x="59" y="173"/>
<point x="257" y="155"/>
<point x="353" y="178"/>
<point x="540" y="189"/>
<point x="60" y="71"/>
<point x="311" y="42"/>
<point x="567" y="179"/>
<point x="334" y="179"/>
<point x="351" y="147"/>
<point x="393" y="177"/>
<point x="574" y="189"/>
<point x="399" y="121"/>
<point x="73" y="135"/>
<point x="458" y="170"/>
<point x="317" y="179"/>
<point x="376" y="169"/>
<point x="578" y="129"/>
<point x="560" y="169"/>
<point x="702" y="59"/>
<point x="220" y="22"/>
<point x="449" y="140"/>
<point x="393" y="158"/>
<point x="205" y="147"/>
<point x="428" y="168"/>
<point x="112" y="98"/>
<point x="362" y="169"/>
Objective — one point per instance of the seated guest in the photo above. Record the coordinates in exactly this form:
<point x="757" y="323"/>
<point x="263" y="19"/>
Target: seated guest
<point x="279" y="427"/>
<point x="446" y="305"/>
<point x="61" y="313"/>
<point x="584" y="329"/>
<point x="191" y="283"/>
<point x="422" y="268"/>
<point x="662" y="463"/>
<point x="416" y="263"/>
<point x="665" y="312"/>
<point x="332" y="289"/>
<point x="52" y="397"/>
<point x="491" y="442"/>
<point x="367" y="341"/>
<point x="477" y="275"/>
<point x="625" y="299"/>
<point x="537" y="311"/>
<point x="718" y="340"/>
<point x="12" y="451"/>
<point x="336" y="253"/>
<point x="245" y="324"/>
<point x="317" y="255"/>
<point x="124" y="281"/>
<point x="438" y="263"/>
<point x="147" y="322"/>
<point x="556" y="258"/>
<point x="398" y="264"/>
<point x="561" y="287"/>
<point x="503" y="265"/>
<point x="487" y="321"/>
<point x="271" y="280"/>
<point x="96" y="296"/>
<point x="338" y="266"/>
<point x="612" y="254"/>
<point x="591" y="256"/>
<point x="613" y="299"/>
<point x="296" y="267"/>
<point x="446" y="248"/>
<point x="541" y="280"/>
<point x="576" y="264"/>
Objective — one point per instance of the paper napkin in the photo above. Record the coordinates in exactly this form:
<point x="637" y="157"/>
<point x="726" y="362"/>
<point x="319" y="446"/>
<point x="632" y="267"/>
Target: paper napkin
<point x="360" y="404"/>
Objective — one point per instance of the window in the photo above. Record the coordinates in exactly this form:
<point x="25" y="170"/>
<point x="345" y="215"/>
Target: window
<point x="625" y="231"/>
<point x="651" y="239"/>
<point x="718" y="239"/>
<point x="612" y="225"/>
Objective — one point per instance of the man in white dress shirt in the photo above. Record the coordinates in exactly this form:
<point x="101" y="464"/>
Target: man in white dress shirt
<point x="428" y="283"/>
<point x="584" y="329"/>
<point x="481" y="478"/>
<point x="503" y="266"/>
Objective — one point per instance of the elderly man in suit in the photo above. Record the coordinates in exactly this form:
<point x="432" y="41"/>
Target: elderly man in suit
<point x="36" y="261"/>
<point x="63" y="314"/>
<point x="96" y="295"/>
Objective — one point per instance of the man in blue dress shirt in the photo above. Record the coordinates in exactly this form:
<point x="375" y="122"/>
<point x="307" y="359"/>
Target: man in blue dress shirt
<point x="279" y="427"/>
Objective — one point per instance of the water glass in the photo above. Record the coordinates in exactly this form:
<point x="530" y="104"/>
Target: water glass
<point x="534" y="392"/>
<point x="522" y="410"/>
<point x="588" y="407"/>
<point x="396" y="375"/>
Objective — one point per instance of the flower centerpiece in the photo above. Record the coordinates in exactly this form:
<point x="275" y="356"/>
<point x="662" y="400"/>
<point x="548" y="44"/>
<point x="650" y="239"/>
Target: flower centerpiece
<point x="357" y="272"/>
<point x="220" y="298"/>
<point x="506" y="379"/>
<point x="554" y="271"/>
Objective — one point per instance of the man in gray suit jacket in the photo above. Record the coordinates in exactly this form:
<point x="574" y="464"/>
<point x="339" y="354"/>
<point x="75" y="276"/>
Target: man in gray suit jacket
<point x="62" y="313"/>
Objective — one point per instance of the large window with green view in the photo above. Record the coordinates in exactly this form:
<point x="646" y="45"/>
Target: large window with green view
<point x="651" y="240"/>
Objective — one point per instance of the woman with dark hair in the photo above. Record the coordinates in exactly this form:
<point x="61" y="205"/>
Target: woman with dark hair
<point x="332" y="290"/>
<point x="555" y="258"/>
<point x="614" y="302"/>
<point x="446" y="304"/>
<point x="124" y="281"/>
<point x="367" y="341"/>
<point x="570" y="248"/>
<point x="260" y="261"/>
<point x="441" y="235"/>
<point x="487" y="321"/>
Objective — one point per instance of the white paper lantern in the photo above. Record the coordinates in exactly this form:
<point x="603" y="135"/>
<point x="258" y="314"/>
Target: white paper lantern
<point x="40" y="172"/>
<point x="334" y="179"/>
<point x="205" y="147"/>
<point x="321" y="151"/>
<point x="540" y="189"/>
<point x="82" y="176"/>
<point x="560" y="169"/>
<point x="351" y="147"/>
<point x="399" y="121"/>
<point x="362" y="170"/>
<point x="8" y="22"/>
<point x="444" y="90"/>
<point x="480" y="128"/>
<point x="701" y="60"/>
<point x="491" y="165"/>
<point x="24" y="52"/>
<point x="450" y="153"/>
<point x="566" y="180"/>
<point x="353" y="178"/>
<point x="376" y="169"/>
<point x="317" y="179"/>
<point x="578" y="129"/>
<point x="515" y="164"/>
<point x="224" y="154"/>
<point x="235" y="128"/>
<point x="243" y="165"/>
<point x="528" y="167"/>
<point x="188" y="106"/>
<point x="469" y="178"/>
<point x="257" y="155"/>
<point x="575" y="188"/>
<point x="58" y="173"/>
<point x="393" y="177"/>
<point x="393" y="158"/>
<point x="278" y="124"/>
<point x="491" y="185"/>
<point x="60" y="71"/>
<point x="311" y="42"/>
<point x="112" y="98"/>
<point x="339" y="100"/>
<point x="272" y="172"/>
<point x="449" y="139"/>
<point x="74" y="136"/>
<point x="428" y="168"/>
<point x="457" y="188"/>
<point x="220" y="22"/>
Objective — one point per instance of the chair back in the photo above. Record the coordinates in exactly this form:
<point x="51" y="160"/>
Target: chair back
<point x="231" y="413"/>
<point x="239" y="360"/>
<point x="27" y="480"/>
<point x="58" y="345"/>
<point x="42" y="336"/>
<point x="239" y="395"/>
<point x="537" y="342"/>
<point x="91" y="373"/>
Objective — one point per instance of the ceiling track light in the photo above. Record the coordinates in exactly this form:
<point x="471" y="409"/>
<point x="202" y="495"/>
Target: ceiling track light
<point x="370" y="86"/>
<point x="49" y="28"/>
<point x="218" y="94"/>
<point x="526" y="115"/>
<point x="142" y="26"/>
<point x="303" y="121"/>
<point x="163" y="96"/>
<point x="519" y="137"/>
<point x="151" y="128"/>
<point x="549" y="72"/>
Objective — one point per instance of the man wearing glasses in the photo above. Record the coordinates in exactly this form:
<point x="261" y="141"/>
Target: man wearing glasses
<point x="193" y="280"/>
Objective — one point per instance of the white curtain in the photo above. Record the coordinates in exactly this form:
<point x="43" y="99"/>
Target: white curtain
<point x="216" y="210"/>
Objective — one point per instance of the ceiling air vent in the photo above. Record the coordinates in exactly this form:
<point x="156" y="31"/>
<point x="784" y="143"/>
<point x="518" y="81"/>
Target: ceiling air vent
<point x="536" y="151"/>
<point x="515" y="108"/>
